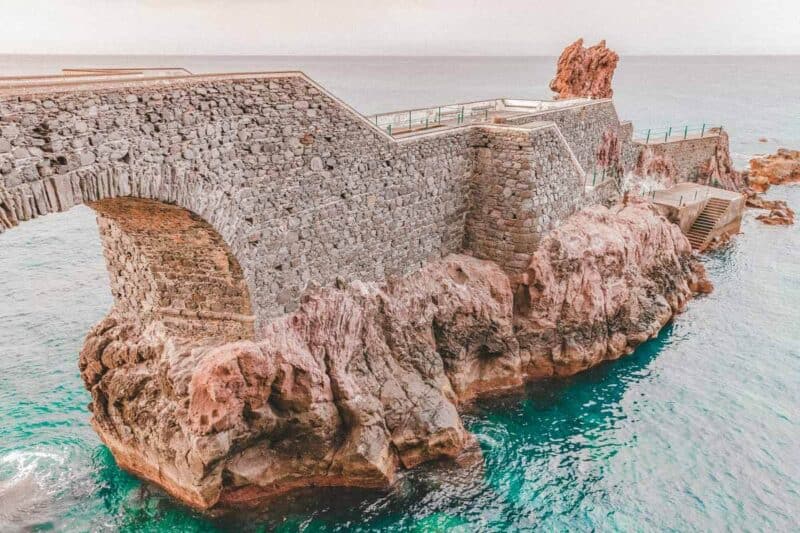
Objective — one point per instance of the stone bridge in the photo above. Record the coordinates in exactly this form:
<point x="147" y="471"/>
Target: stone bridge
<point x="222" y="375"/>
<point x="220" y="198"/>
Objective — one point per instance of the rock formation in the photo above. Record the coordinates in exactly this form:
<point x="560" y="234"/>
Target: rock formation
<point x="585" y="72"/>
<point x="365" y="379"/>
<point x="609" y="153"/>
<point x="659" y="167"/>
<point x="779" y="212"/>
<point x="776" y="169"/>
<point x="719" y="171"/>
<point x="781" y="216"/>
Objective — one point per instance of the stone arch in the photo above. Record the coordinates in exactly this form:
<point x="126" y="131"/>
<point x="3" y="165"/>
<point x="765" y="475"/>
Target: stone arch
<point x="167" y="265"/>
<point x="96" y="184"/>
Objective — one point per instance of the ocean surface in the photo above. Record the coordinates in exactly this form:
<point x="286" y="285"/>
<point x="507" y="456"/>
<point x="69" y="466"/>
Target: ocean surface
<point x="697" y="430"/>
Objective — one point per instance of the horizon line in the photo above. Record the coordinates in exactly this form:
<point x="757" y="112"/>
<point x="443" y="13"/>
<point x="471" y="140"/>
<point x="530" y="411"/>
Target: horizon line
<point x="622" y="55"/>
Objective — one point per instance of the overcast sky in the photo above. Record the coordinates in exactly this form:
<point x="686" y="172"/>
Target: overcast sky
<point x="398" y="27"/>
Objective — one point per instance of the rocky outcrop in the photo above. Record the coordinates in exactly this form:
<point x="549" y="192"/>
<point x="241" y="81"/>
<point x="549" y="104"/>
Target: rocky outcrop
<point x="609" y="153"/>
<point x="365" y="379"/>
<point x="782" y="216"/>
<point x="718" y="170"/>
<point x="776" y="169"/>
<point x="585" y="72"/>
<point x="658" y="167"/>
<point x="779" y="213"/>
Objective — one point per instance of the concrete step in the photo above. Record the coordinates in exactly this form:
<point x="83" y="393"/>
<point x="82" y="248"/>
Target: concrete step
<point x="705" y="223"/>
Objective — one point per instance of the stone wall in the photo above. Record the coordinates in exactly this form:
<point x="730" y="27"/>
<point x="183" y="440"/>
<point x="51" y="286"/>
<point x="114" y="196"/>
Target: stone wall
<point x="301" y="189"/>
<point x="690" y="156"/>
<point x="299" y="186"/>
<point x="582" y="126"/>
<point x="630" y="148"/>
<point x="525" y="182"/>
<point x="603" y="193"/>
<point x="166" y="264"/>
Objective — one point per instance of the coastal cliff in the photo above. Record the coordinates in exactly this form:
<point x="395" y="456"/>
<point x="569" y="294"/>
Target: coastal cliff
<point x="365" y="379"/>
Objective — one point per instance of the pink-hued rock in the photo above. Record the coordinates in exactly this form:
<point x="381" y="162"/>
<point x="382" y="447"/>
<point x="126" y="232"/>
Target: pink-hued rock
<point x="366" y="379"/>
<point x="719" y="171"/>
<point x="609" y="153"/>
<point x="600" y="285"/>
<point x="585" y="72"/>
<point x="778" y="211"/>
<point x="659" y="167"/>
<point x="775" y="169"/>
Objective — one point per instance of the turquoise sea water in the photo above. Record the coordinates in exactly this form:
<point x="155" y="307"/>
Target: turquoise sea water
<point x="698" y="430"/>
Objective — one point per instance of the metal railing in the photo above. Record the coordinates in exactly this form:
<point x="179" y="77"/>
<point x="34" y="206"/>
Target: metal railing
<point x="432" y="117"/>
<point x="601" y="174"/>
<point x="689" y="197"/>
<point x="676" y="133"/>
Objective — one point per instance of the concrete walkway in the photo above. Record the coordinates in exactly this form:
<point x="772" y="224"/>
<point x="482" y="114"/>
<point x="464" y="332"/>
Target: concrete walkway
<point x="687" y="193"/>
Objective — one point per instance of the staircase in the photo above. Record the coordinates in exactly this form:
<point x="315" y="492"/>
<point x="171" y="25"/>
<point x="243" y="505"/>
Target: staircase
<point x="706" y="222"/>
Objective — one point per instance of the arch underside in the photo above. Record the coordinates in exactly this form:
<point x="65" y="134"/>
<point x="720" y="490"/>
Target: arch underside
<point x="167" y="265"/>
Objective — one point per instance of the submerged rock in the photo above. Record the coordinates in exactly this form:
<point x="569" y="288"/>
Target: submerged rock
<point x="364" y="379"/>
<point x="585" y="72"/>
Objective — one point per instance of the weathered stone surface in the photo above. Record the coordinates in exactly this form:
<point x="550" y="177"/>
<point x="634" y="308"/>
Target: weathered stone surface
<point x="776" y="169"/>
<point x="600" y="285"/>
<point x="299" y="197"/>
<point x="364" y="379"/>
<point x="524" y="184"/>
<point x="169" y="266"/>
<point x="585" y="72"/>
<point x="609" y="153"/>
